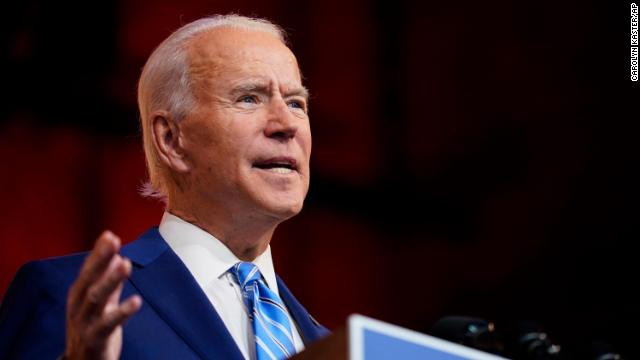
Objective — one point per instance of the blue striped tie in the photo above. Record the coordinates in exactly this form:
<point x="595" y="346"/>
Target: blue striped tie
<point x="271" y="323"/>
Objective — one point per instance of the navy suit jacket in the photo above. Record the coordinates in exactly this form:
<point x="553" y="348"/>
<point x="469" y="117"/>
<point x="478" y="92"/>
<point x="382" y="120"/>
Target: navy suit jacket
<point x="176" y="320"/>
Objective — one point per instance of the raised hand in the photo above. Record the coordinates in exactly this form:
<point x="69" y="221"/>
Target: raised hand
<point x="94" y="313"/>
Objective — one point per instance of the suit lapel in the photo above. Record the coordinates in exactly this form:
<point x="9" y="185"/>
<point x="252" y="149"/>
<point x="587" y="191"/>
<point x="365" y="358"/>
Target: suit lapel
<point x="166" y="285"/>
<point x="310" y="329"/>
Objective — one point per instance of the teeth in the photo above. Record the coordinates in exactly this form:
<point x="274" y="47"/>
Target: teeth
<point x="280" y="170"/>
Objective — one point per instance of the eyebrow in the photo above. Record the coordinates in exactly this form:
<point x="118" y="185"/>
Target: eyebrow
<point x="265" y="89"/>
<point x="301" y="91"/>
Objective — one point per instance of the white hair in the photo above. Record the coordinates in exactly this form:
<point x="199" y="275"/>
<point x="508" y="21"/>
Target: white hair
<point x="165" y="84"/>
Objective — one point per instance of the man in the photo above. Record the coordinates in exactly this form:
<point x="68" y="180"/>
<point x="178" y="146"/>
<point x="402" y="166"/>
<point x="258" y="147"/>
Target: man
<point x="227" y="140"/>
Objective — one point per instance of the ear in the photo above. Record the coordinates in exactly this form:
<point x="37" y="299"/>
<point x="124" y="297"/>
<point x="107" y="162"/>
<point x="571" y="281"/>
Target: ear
<point x="166" y="139"/>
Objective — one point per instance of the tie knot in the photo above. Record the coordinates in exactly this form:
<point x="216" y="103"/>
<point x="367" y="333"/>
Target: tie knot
<point x="247" y="273"/>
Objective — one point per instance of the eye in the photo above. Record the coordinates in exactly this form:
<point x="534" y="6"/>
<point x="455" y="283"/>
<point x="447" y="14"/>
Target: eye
<point x="296" y="104"/>
<point x="248" y="99"/>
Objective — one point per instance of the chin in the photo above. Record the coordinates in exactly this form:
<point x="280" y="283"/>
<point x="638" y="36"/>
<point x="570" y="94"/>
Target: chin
<point x="287" y="211"/>
<point x="283" y="209"/>
<point x="280" y="204"/>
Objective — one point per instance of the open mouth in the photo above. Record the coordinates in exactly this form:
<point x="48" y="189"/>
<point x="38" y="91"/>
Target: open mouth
<point x="279" y="165"/>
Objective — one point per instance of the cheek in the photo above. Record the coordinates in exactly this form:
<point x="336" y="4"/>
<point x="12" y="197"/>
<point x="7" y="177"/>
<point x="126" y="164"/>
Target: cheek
<point x="208" y="150"/>
<point x="305" y="141"/>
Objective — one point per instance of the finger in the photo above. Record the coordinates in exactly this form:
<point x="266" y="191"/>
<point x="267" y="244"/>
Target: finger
<point x="98" y="260"/>
<point x="117" y="317"/>
<point x="107" y="288"/>
<point x="114" y="299"/>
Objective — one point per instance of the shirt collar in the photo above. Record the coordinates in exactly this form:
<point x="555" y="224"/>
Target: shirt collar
<point x="206" y="257"/>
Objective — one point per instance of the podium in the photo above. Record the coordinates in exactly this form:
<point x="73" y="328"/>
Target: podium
<point x="365" y="338"/>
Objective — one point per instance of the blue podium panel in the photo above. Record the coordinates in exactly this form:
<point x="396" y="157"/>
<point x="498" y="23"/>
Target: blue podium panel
<point x="379" y="347"/>
<point x="371" y="339"/>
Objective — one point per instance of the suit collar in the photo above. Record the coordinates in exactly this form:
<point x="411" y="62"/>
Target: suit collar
<point x="148" y="247"/>
<point x="206" y="257"/>
<point x="166" y="285"/>
<point x="310" y="329"/>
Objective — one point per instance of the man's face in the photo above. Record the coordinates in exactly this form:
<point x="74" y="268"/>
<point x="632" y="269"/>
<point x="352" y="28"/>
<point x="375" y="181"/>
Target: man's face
<point x="248" y="140"/>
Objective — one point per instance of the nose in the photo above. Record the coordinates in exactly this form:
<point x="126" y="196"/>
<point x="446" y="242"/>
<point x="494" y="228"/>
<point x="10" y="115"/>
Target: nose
<point x="280" y="122"/>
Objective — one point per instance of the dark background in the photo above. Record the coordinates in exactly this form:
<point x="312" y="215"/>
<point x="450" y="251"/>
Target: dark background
<point x="469" y="158"/>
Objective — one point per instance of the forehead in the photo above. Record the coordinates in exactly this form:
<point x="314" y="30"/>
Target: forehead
<point x="229" y="53"/>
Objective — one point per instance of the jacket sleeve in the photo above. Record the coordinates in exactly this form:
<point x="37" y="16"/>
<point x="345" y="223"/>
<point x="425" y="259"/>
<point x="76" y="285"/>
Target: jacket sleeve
<point x="32" y="314"/>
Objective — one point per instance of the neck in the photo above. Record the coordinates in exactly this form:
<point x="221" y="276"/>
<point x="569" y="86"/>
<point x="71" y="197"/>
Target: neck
<point x="247" y="236"/>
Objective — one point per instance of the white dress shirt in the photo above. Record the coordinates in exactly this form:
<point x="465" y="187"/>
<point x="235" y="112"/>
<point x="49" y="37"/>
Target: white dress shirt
<point x="209" y="260"/>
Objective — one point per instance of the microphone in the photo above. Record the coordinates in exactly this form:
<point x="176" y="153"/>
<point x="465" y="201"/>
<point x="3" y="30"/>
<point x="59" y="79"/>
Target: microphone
<point x="473" y="332"/>
<point x="604" y="351"/>
<point x="526" y="340"/>
<point x="533" y="343"/>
